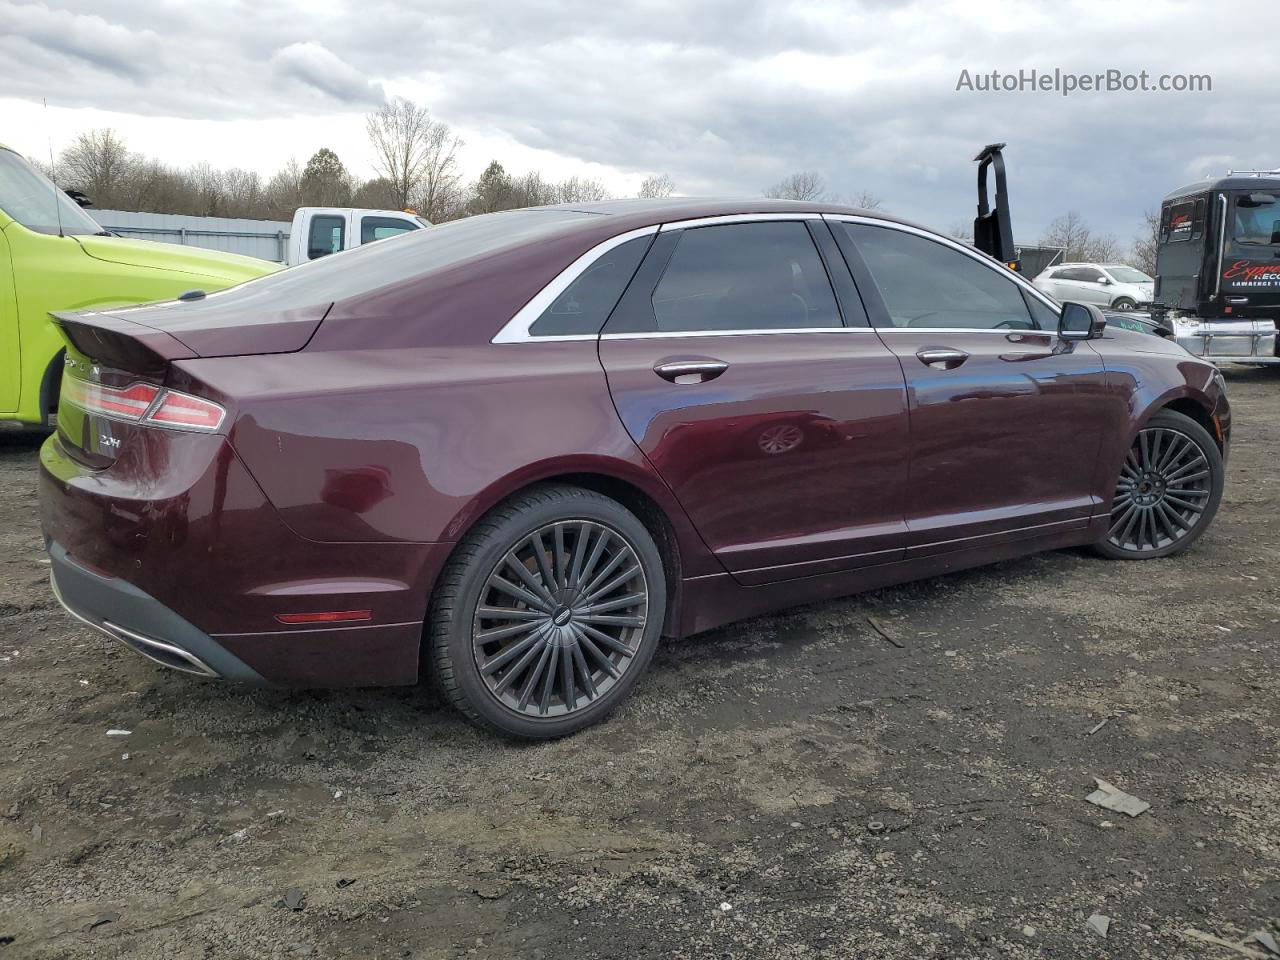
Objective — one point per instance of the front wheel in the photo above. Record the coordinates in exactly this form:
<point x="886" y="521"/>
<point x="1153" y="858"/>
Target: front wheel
<point x="1168" y="491"/>
<point x="548" y="613"/>
<point x="1123" y="304"/>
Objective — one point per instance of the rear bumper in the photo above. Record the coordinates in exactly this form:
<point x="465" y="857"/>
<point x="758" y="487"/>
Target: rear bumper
<point x="141" y="622"/>
<point x="174" y="551"/>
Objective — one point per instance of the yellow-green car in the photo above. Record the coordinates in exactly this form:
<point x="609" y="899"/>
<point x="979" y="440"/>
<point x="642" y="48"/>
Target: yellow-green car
<point x="54" y="256"/>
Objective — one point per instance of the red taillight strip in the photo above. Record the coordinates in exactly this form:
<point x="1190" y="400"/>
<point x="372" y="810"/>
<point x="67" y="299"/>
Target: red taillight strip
<point x="336" y="616"/>
<point x="183" y="410"/>
<point x="127" y="403"/>
<point x="168" y="408"/>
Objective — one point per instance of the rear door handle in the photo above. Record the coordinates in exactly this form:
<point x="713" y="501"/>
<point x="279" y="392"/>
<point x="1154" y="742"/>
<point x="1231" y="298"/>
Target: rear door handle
<point x="940" y="358"/>
<point x="690" y="371"/>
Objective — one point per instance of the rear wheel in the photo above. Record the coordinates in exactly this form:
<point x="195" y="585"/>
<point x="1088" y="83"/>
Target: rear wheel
<point x="548" y="613"/>
<point x="1168" y="491"/>
<point x="1123" y="304"/>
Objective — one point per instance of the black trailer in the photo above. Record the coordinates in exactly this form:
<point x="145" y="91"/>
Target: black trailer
<point x="1218" y="266"/>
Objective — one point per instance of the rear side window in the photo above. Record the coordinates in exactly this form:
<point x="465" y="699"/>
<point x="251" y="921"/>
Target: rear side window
<point x="327" y="235"/>
<point x="1181" y="220"/>
<point x="927" y="285"/>
<point x="379" y="228"/>
<point x="585" y="304"/>
<point x="745" y="276"/>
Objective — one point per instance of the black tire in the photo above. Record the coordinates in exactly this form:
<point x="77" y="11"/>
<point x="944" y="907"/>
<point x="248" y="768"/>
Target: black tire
<point x="575" y="519"/>
<point x="1179" y="498"/>
<point x="1123" y="304"/>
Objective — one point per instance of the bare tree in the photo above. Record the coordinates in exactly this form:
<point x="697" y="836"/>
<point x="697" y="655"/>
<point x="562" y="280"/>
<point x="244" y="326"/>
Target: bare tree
<point x="415" y="154"/>
<point x="440" y="195"/>
<point x="242" y="192"/>
<point x="865" y="200"/>
<point x="375" y="194"/>
<point x="656" y="186"/>
<point x="805" y="185"/>
<point x="96" y="163"/>
<point x="1146" y="246"/>
<point x="581" y="190"/>
<point x="284" y="191"/>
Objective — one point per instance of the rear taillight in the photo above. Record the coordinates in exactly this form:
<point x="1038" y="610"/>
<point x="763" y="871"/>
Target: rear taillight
<point x="127" y="403"/>
<point x="144" y="403"/>
<point x="176" y="409"/>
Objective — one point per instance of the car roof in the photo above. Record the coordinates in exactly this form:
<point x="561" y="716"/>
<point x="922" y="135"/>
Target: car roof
<point x="635" y="213"/>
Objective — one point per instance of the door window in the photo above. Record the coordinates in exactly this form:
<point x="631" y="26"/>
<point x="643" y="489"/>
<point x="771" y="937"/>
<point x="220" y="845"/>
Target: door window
<point x="327" y="235"/>
<point x="586" y="303"/>
<point x="745" y="276"/>
<point x="379" y="228"/>
<point x="927" y="285"/>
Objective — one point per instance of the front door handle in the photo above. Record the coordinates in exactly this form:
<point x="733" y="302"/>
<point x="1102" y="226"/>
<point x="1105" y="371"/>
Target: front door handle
<point x="690" y="371"/>
<point x="940" y="358"/>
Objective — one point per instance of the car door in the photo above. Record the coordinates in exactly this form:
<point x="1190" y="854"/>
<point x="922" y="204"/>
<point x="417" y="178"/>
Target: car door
<point x="741" y="362"/>
<point x="1001" y="409"/>
<point x="10" y="355"/>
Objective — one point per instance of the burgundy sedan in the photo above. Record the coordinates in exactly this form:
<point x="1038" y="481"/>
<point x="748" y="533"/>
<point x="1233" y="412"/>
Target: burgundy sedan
<point x="513" y="451"/>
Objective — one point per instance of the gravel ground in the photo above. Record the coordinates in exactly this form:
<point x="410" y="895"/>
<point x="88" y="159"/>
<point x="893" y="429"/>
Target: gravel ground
<point x="793" y="786"/>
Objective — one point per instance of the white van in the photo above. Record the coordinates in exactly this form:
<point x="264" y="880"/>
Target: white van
<point x="320" y="231"/>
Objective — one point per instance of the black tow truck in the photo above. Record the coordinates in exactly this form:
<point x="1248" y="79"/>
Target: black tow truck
<point x="1218" y="267"/>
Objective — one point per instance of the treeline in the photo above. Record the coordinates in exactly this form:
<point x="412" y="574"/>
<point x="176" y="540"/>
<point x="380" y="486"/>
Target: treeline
<point x="415" y="160"/>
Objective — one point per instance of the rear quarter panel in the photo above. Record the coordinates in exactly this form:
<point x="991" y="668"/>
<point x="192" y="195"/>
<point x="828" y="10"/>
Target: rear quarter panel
<point x="415" y="443"/>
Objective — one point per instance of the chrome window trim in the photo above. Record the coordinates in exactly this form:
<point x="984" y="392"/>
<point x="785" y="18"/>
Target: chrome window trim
<point x="674" y="334"/>
<point x="516" y="330"/>
<point x="973" y="254"/>
<point x="736" y="218"/>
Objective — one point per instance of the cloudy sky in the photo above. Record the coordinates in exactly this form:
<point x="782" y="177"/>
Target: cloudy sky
<point x="725" y="96"/>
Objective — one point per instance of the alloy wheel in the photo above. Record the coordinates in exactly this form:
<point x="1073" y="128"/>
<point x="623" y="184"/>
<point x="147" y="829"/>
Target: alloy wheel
<point x="1164" y="487"/>
<point x="560" y="618"/>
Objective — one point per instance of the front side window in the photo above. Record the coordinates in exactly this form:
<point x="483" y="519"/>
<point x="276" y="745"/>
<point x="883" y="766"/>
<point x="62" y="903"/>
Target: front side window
<point x="1256" y="225"/>
<point x="745" y="276"/>
<point x="379" y="228"/>
<point x="585" y="304"/>
<point x="327" y="235"/>
<point x="30" y="198"/>
<point x="927" y="285"/>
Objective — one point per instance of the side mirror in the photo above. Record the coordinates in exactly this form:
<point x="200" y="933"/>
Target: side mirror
<point x="1081" y="321"/>
<point x="1104" y="280"/>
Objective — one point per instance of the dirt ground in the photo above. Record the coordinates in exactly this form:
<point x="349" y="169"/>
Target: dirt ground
<point x="793" y="786"/>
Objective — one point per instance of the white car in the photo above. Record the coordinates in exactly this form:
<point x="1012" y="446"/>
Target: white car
<point x="1111" y="285"/>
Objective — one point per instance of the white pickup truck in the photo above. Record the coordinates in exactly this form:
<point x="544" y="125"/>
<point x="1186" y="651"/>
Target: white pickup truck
<point x="320" y="231"/>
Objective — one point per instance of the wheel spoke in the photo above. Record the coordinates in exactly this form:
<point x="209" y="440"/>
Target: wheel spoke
<point x="1128" y="527"/>
<point x="609" y="666"/>
<point x="561" y="564"/>
<point x="579" y="554"/>
<point x="590" y="589"/>
<point x="501" y="633"/>
<point x="510" y="676"/>
<point x="1185" y="504"/>
<point x="596" y="552"/>
<point x="631" y="599"/>
<point x="520" y="593"/>
<point x="1175" y="524"/>
<point x="1182" y="470"/>
<point x="500" y="660"/>
<point x="601" y="637"/>
<point x="535" y="585"/>
<point x="613" y="584"/>
<point x="535" y="674"/>
<point x="508" y="613"/>
<point x="1128" y="512"/>
<point x="567" y="683"/>
<point x="549" y="678"/>
<point x="1192" y="478"/>
<point x="588" y="683"/>
<point x="540" y="558"/>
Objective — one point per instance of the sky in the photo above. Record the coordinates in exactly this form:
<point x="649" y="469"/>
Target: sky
<point x="724" y="96"/>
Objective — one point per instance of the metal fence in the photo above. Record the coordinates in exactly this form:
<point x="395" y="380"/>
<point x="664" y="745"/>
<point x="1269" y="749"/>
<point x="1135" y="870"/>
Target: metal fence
<point x="265" y="239"/>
